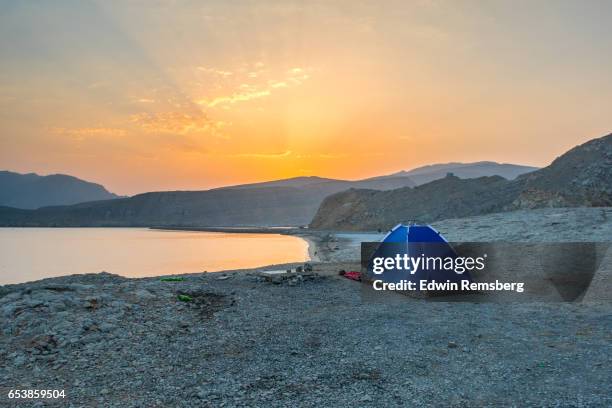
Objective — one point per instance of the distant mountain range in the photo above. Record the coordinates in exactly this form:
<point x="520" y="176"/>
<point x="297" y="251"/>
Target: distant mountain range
<point x="33" y="191"/>
<point x="283" y="202"/>
<point x="580" y="177"/>
<point x="425" y="174"/>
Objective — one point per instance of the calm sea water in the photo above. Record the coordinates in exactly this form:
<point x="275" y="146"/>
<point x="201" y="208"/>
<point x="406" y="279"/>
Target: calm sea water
<point x="28" y="254"/>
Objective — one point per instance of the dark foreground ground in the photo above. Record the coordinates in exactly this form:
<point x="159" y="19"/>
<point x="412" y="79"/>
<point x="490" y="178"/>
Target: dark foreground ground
<point x="115" y="342"/>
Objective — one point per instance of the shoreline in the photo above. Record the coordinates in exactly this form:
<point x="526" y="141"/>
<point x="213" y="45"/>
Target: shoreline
<point x="317" y="251"/>
<point x="313" y="248"/>
<point x="543" y="225"/>
<point x="312" y="254"/>
<point x="237" y="230"/>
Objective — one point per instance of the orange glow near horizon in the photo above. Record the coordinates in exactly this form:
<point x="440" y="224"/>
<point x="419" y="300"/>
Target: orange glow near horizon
<point x="182" y="96"/>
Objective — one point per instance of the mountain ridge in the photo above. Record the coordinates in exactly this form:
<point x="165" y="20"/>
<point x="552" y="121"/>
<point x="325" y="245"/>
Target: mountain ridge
<point x="431" y="172"/>
<point x="31" y="191"/>
<point x="271" y="203"/>
<point x="580" y="177"/>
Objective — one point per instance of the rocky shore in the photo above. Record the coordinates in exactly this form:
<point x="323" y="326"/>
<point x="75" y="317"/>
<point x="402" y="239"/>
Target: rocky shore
<point x="239" y="341"/>
<point x="234" y="339"/>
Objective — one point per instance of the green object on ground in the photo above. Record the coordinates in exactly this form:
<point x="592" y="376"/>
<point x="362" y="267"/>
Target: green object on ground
<point x="172" y="279"/>
<point x="185" y="298"/>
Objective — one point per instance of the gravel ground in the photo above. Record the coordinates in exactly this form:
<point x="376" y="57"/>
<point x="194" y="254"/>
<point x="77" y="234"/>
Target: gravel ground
<point x="110" y="341"/>
<point x="240" y="341"/>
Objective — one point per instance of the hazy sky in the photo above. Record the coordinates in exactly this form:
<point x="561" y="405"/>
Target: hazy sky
<point x="155" y="95"/>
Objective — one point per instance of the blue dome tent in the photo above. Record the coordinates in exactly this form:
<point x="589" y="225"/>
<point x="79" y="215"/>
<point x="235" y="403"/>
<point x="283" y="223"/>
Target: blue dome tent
<point x="416" y="241"/>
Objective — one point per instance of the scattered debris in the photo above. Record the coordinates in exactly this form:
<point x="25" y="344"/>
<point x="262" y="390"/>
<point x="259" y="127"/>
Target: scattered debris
<point x="172" y="279"/>
<point x="289" y="276"/>
<point x="352" y="275"/>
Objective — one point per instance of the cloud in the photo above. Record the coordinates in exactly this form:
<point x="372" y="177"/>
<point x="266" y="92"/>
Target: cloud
<point x="298" y="75"/>
<point x="321" y="156"/>
<point x="217" y="72"/>
<point x="277" y="84"/>
<point x="256" y="84"/>
<point x="95" y="85"/>
<point x="176" y="122"/>
<point x="84" y="132"/>
<point x="236" y="97"/>
<point x="286" y="153"/>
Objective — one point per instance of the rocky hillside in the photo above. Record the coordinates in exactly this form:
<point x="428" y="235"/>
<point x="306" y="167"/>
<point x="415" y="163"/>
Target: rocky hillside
<point x="283" y="202"/>
<point x="33" y="191"/>
<point x="450" y="197"/>
<point x="580" y="177"/>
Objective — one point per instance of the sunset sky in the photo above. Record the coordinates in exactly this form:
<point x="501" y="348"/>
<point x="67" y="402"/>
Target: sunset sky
<point x="157" y="95"/>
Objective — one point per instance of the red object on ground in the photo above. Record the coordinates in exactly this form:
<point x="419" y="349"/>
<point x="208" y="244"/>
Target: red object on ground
<point x="356" y="276"/>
